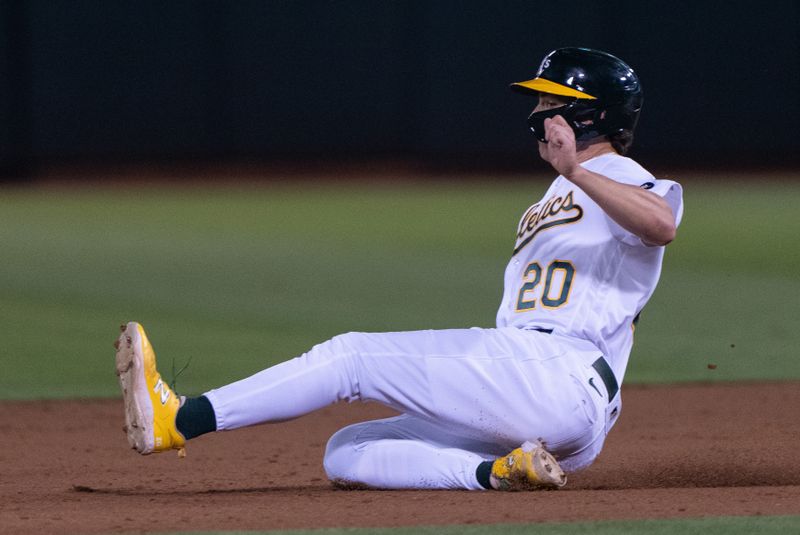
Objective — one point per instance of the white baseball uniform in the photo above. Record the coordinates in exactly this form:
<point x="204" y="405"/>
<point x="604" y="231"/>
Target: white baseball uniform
<point x="573" y="287"/>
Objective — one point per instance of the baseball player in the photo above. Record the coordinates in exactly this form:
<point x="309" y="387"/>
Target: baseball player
<point x="509" y="408"/>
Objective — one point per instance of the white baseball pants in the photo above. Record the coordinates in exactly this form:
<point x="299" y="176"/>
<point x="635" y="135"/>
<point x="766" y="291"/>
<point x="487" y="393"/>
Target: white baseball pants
<point x="467" y="395"/>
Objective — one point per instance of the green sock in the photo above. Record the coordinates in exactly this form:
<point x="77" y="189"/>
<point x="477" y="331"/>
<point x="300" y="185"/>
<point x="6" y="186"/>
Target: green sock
<point x="196" y="417"/>
<point x="483" y="472"/>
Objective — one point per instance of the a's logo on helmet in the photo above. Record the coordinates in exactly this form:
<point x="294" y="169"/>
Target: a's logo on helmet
<point x="544" y="65"/>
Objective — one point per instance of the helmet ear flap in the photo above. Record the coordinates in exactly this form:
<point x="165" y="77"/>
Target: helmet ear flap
<point x="590" y="119"/>
<point x="586" y="120"/>
<point x="582" y="117"/>
<point x="536" y="119"/>
<point x="585" y="116"/>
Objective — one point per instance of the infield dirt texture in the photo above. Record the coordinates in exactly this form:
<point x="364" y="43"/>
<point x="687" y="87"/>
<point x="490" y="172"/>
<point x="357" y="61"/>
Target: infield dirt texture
<point x="678" y="451"/>
<point x="244" y="278"/>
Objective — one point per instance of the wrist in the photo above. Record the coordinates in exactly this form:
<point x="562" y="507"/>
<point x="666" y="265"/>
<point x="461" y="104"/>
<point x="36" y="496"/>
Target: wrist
<point x="576" y="174"/>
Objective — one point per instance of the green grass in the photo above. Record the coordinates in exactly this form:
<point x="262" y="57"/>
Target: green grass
<point x="729" y="292"/>
<point x="701" y="526"/>
<point x="241" y="278"/>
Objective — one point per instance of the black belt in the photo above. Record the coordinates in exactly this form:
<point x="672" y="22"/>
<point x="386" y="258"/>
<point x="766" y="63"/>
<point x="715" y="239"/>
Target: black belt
<point x="604" y="371"/>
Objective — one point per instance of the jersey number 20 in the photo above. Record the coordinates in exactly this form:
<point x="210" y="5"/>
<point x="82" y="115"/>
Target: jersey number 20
<point x="558" y="272"/>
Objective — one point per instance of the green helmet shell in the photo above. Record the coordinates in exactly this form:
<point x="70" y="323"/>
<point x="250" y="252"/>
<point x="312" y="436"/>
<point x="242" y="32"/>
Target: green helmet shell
<point x="606" y="94"/>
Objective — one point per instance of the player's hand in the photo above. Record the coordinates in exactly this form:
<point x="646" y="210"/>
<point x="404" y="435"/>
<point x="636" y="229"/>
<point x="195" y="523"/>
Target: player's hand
<point x="560" y="148"/>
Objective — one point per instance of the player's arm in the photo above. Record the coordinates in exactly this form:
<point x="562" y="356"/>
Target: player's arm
<point x="638" y="211"/>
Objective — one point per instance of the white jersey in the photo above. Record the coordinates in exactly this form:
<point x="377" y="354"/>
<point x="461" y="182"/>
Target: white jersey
<point x="576" y="271"/>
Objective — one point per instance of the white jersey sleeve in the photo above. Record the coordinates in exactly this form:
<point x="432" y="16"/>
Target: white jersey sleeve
<point x="627" y="171"/>
<point x="576" y="272"/>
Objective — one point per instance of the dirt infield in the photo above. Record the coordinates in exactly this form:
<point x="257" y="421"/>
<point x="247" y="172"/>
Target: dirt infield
<point x="679" y="451"/>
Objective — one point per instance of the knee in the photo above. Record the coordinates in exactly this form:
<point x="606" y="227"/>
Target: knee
<point x="347" y="343"/>
<point x="340" y="347"/>
<point x="340" y="454"/>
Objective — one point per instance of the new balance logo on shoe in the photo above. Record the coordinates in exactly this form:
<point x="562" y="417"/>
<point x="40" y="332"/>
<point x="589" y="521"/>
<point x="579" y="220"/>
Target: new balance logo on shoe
<point x="162" y="390"/>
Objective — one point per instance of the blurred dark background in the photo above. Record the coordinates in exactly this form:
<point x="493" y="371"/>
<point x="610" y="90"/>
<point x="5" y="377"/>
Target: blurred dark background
<point x="410" y="82"/>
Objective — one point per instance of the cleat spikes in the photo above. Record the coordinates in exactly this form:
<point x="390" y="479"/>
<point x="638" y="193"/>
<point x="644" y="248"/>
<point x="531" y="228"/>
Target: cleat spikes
<point x="528" y="467"/>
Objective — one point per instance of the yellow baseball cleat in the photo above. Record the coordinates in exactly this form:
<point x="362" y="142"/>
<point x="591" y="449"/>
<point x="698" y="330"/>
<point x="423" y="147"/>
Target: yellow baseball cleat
<point x="150" y="404"/>
<point x="528" y="467"/>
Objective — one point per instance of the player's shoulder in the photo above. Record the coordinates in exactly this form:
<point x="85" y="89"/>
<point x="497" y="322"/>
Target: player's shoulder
<point x="628" y="171"/>
<point x="620" y="168"/>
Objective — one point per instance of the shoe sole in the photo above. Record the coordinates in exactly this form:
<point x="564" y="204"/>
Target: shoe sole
<point x="547" y="468"/>
<point x="138" y="407"/>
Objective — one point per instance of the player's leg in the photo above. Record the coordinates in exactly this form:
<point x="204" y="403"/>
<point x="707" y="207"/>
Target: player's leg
<point x="502" y="386"/>
<point x="408" y="452"/>
<point x="497" y="385"/>
<point x="391" y="368"/>
<point x="405" y="452"/>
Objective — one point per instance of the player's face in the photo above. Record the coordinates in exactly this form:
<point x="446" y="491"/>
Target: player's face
<point x="549" y="101"/>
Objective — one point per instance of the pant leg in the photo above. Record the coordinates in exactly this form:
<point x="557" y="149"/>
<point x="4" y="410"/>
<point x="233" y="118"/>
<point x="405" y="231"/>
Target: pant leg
<point x="335" y="370"/>
<point x="405" y="452"/>
<point x="502" y="386"/>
